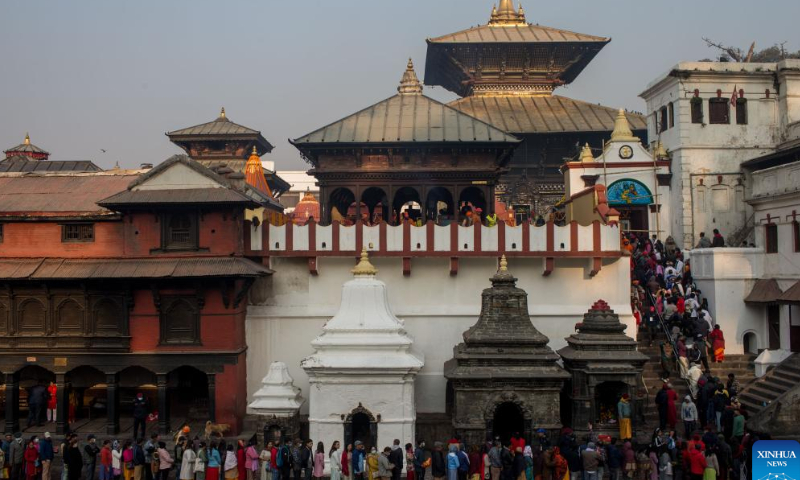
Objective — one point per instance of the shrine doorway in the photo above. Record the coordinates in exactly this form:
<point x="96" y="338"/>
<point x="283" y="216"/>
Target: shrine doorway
<point x="377" y="204"/>
<point x="273" y="433"/>
<point x="188" y="395"/>
<point x="31" y="376"/>
<point x="439" y="205"/>
<point x="88" y="398"/>
<point x="361" y="426"/>
<point x="508" y="419"/>
<point x="606" y="397"/>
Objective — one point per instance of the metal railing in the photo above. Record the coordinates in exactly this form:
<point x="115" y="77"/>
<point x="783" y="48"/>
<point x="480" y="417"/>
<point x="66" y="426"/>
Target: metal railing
<point x="673" y="344"/>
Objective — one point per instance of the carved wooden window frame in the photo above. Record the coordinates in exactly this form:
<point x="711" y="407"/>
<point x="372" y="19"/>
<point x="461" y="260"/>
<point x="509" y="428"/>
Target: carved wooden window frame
<point x="168" y="337"/>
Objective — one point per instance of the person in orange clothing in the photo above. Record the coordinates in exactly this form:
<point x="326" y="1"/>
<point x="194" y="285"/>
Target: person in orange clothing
<point x="717" y="344"/>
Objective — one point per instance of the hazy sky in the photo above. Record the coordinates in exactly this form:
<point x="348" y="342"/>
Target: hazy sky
<point x="86" y="75"/>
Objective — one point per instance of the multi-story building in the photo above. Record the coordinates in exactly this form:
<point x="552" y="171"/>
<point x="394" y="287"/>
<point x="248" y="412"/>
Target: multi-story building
<point x="711" y="117"/>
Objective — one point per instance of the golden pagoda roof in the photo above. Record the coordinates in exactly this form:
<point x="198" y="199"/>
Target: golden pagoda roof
<point x="254" y="173"/>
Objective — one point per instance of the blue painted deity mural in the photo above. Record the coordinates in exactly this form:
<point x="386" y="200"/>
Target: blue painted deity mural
<point x="629" y="192"/>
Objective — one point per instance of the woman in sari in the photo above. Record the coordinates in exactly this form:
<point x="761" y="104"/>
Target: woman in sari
<point x="561" y="469"/>
<point x="717" y="344"/>
<point x="347" y="459"/>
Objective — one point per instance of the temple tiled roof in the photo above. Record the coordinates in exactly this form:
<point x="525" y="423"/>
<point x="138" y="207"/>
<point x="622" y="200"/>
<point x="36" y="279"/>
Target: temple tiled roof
<point x="222" y="128"/>
<point x="543" y="114"/>
<point x="26" y="147"/>
<point x="25" y="164"/>
<point x="408" y="117"/>
<point x="516" y="34"/>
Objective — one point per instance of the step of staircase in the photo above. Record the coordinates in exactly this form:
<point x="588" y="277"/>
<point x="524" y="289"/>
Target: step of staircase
<point x="779" y="379"/>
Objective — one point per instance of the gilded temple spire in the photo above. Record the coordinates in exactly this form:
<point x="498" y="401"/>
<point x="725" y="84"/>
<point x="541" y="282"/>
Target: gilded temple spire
<point x="222" y="116"/>
<point x="364" y="266"/>
<point x="27" y="139"/>
<point x="506" y="16"/>
<point x="586" y="154"/>
<point x="622" y="129"/>
<point x="409" y="84"/>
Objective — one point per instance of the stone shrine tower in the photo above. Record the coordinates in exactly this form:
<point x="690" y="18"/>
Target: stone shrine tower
<point x="362" y="371"/>
<point x="505" y="379"/>
<point x="277" y="404"/>
<point x="604" y="364"/>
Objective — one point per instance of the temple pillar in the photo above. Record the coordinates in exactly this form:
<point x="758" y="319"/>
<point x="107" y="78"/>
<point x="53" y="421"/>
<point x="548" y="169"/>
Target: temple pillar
<point x="12" y="402"/>
<point x="212" y="397"/>
<point x="112" y="404"/>
<point x="62" y="404"/>
<point x="163" y="404"/>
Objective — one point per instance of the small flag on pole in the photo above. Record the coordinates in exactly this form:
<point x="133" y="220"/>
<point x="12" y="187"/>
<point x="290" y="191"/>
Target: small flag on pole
<point x="734" y="96"/>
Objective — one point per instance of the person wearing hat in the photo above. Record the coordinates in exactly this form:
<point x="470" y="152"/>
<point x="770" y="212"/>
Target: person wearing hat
<point x="46" y="455"/>
<point x="90" y="451"/>
<point x="140" y="412"/>
<point x="689" y="416"/>
<point x="624" y="417"/>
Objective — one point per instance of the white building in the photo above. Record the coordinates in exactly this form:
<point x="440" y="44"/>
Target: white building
<point x="363" y="365"/>
<point x="301" y="182"/>
<point x="711" y="117"/>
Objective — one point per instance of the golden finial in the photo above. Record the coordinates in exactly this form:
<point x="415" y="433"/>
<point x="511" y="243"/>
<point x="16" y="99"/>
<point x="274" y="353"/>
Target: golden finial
<point x="494" y="13"/>
<point x="661" y="152"/>
<point x="255" y="152"/>
<point x="586" y="154"/>
<point x="222" y="113"/>
<point x="27" y="139"/>
<point x="503" y="264"/>
<point x="409" y="84"/>
<point x="364" y="267"/>
<point x="521" y="13"/>
<point x="622" y="129"/>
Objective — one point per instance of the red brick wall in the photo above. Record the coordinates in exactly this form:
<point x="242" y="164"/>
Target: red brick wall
<point x="221" y="329"/>
<point x="231" y="395"/>
<point x="43" y="239"/>
<point x="220" y="233"/>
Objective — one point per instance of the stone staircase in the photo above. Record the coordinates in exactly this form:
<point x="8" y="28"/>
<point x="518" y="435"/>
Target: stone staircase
<point x="740" y="365"/>
<point x="760" y="392"/>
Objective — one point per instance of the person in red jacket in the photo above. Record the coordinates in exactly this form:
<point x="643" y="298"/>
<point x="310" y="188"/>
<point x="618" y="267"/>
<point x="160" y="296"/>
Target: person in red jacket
<point x="30" y="456"/>
<point x="697" y="463"/>
<point x="105" y="461"/>
<point x="517" y="442"/>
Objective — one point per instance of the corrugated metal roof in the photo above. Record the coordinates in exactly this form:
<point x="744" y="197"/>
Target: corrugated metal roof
<point x="516" y="34"/>
<point x="177" y="196"/>
<point x="543" y="114"/>
<point x="26" y="164"/>
<point x="220" y="126"/>
<point x="67" y="269"/>
<point x="766" y="290"/>
<point x="59" y="193"/>
<point x="791" y="295"/>
<point x="26" y="148"/>
<point x="405" y="119"/>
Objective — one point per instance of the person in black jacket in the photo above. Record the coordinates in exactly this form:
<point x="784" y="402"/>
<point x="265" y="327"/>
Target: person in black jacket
<point x="307" y="459"/>
<point x="73" y="459"/>
<point x="139" y="460"/>
<point x="140" y="412"/>
<point x="508" y="464"/>
<point x="396" y="459"/>
<point x="438" y="463"/>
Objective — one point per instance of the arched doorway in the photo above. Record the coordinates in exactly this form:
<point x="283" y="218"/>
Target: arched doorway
<point x="132" y="381"/>
<point x="472" y="198"/>
<point x="377" y="204"/>
<point x="407" y="199"/>
<point x="88" y="395"/>
<point x="439" y="205"/>
<point x="33" y="382"/>
<point x="631" y="198"/>
<point x="338" y="203"/>
<point x="606" y="397"/>
<point x="187" y="394"/>
<point x="508" y="419"/>
<point x="361" y="425"/>
<point x="750" y="343"/>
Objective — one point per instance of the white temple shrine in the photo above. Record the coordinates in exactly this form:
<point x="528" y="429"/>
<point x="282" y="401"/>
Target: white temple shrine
<point x="363" y="368"/>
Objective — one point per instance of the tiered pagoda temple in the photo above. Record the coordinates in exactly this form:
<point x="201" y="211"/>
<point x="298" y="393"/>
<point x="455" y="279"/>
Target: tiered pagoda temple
<point x="406" y="153"/>
<point x="506" y="72"/>
<point x="504" y="377"/>
<point x="223" y="142"/>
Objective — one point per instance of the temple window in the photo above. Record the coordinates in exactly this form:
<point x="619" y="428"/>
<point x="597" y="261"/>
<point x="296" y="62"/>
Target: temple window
<point x="179" y="232"/>
<point x="663" y="123"/>
<point x="77" y="232"/>
<point x="697" y="110"/>
<point x="671" y="108"/>
<point x="718" y="111"/>
<point x="771" y="237"/>
<point x="741" y="111"/>
<point x="180" y="321"/>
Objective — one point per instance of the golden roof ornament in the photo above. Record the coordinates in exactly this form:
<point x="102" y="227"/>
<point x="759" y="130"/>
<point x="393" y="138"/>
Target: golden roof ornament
<point x="409" y="84"/>
<point x="506" y="16"/>
<point x="661" y="152"/>
<point x="364" y="267"/>
<point x="27" y="139"/>
<point x="503" y="264"/>
<point x="222" y="116"/>
<point x="586" y="154"/>
<point x="622" y="129"/>
<point x="521" y="14"/>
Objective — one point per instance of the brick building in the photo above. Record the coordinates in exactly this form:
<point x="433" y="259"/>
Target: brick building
<point x="119" y="282"/>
